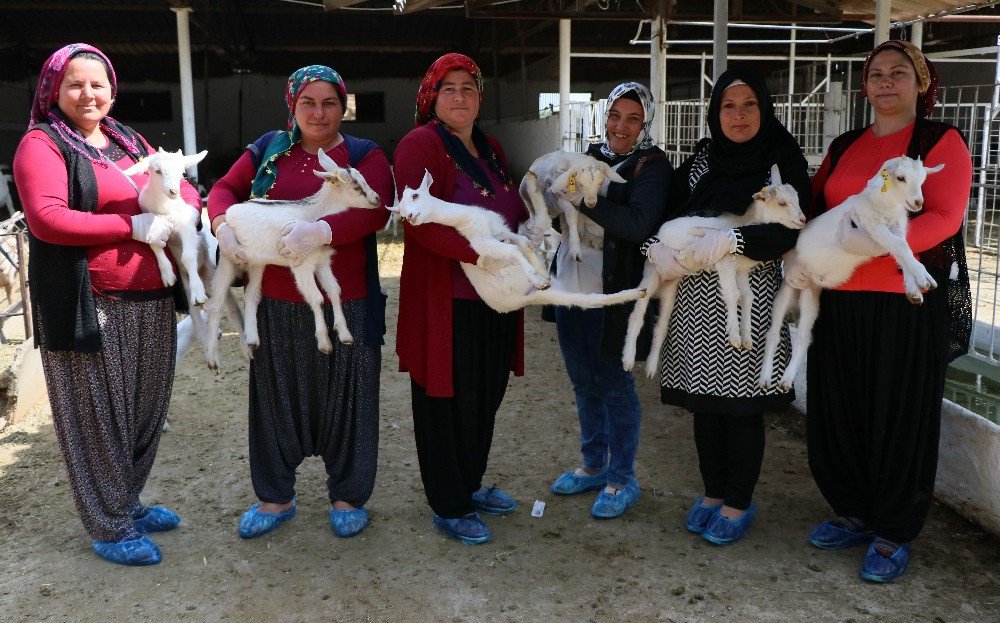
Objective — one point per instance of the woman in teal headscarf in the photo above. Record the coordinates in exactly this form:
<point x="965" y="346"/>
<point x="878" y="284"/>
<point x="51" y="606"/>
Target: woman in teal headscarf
<point x="302" y="402"/>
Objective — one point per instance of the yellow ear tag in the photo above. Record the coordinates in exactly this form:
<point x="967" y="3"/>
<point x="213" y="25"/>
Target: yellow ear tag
<point x="572" y="183"/>
<point x="885" y="180"/>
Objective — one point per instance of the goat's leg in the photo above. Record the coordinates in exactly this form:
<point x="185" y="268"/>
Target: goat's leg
<point x="915" y="276"/>
<point x="572" y="220"/>
<point x="167" y="275"/>
<point x="667" y="297"/>
<point x="786" y="300"/>
<point x="524" y="245"/>
<point x="251" y="300"/>
<point x="746" y="307"/>
<point x="224" y="274"/>
<point x="808" y="312"/>
<point x="305" y="279"/>
<point x="650" y="282"/>
<point x="324" y="274"/>
<point x="502" y="251"/>
<point x="188" y="247"/>
<point x="531" y="194"/>
<point x="236" y="317"/>
<point x="729" y="291"/>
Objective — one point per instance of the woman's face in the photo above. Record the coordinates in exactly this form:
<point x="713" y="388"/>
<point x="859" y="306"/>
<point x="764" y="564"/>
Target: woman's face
<point x="892" y="84"/>
<point x="457" y="102"/>
<point x="739" y="113"/>
<point x="318" y="113"/>
<point x="85" y="93"/>
<point x="624" y="124"/>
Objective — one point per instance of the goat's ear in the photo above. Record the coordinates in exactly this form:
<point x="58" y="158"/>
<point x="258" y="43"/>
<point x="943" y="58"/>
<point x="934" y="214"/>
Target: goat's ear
<point x="425" y="183"/>
<point x="139" y="167"/>
<point x="612" y="174"/>
<point x="763" y="194"/>
<point x="892" y="163"/>
<point x="326" y="161"/>
<point x="190" y="161"/>
<point x="934" y="169"/>
<point x="561" y="181"/>
<point x="163" y="151"/>
<point x="775" y="175"/>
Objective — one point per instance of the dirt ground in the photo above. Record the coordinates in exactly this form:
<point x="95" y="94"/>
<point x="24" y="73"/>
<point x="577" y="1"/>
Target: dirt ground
<point x="564" y="566"/>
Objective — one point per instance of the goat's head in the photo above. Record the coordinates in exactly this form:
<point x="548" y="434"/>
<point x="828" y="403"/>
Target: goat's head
<point x="166" y="169"/>
<point x="901" y="180"/>
<point x="412" y="202"/>
<point x="349" y="180"/>
<point x="582" y="183"/>
<point x="778" y="203"/>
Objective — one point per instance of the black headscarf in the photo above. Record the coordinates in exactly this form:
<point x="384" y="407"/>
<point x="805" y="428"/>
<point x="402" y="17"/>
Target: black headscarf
<point x="737" y="170"/>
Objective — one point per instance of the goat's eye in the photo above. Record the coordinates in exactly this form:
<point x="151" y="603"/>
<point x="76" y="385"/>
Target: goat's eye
<point x="900" y="178"/>
<point x="783" y="204"/>
<point x="157" y="171"/>
<point x="415" y="196"/>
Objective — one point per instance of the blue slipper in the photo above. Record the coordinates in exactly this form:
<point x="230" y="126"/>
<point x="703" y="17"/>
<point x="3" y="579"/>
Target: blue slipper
<point x="254" y="523"/>
<point x="156" y="519"/>
<point x="347" y="523"/>
<point x="879" y="568"/>
<point x="698" y="517"/>
<point x="571" y="484"/>
<point x="723" y="531"/>
<point x="135" y="553"/>
<point x="493" y="501"/>
<point x="829" y="535"/>
<point x="470" y="529"/>
<point x="608" y="506"/>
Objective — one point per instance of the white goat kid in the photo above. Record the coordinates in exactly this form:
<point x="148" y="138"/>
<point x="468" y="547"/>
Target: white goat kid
<point x="509" y="274"/>
<point x="258" y="224"/>
<point x="775" y="203"/>
<point x="880" y="210"/>
<point x="554" y="185"/>
<point x="162" y="196"/>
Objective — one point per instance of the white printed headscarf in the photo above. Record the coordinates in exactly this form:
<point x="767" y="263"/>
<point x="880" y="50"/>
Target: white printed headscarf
<point x="644" y="140"/>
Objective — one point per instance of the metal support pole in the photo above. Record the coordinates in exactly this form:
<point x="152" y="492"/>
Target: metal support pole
<point x="832" y="118"/>
<point x="720" y="33"/>
<point x="883" y="13"/>
<point x="701" y="96"/>
<point x="22" y="270"/>
<point x="791" y="79"/>
<point x="564" y="114"/>
<point x="917" y="34"/>
<point x="657" y="76"/>
<point x="985" y="154"/>
<point x="187" y="85"/>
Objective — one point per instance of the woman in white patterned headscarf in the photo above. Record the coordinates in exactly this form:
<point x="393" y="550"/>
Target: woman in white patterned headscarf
<point x="591" y="340"/>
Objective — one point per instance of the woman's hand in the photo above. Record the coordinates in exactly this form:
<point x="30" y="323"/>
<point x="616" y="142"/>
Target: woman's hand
<point x="152" y="229"/>
<point x="229" y="244"/>
<point x="299" y="239"/>
<point x="711" y="246"/>
<point x="664" y="258"/>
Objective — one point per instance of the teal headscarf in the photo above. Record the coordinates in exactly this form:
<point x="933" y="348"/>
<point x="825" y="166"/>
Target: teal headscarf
<point x="267" y="173"/>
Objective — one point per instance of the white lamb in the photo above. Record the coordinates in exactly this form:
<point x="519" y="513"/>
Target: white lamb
<point x="775" y="203"/>
<point x="553" y="185"/>
<point x="880" y="210"/>
<point x="509" y="274"/>
<point x="162" y="196"/>
<point x="258" y="224"/>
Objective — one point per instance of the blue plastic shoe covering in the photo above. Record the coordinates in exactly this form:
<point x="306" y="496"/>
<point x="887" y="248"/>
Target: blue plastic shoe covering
<point x="722" y="531"/>
<point x="885" y="561"/>
<point x="571" y="484"/>
<point x="347" y="523"/>
<point x="470" y="529"/>
<point x="156" y="519"/>
<point x="493" y="501"/>
<point x="255" y="523"/>
<point x="136" y="552"/>
<point x="698" y="517"/>
<point x="608" y="506"/>
<point x="840" y="534"/>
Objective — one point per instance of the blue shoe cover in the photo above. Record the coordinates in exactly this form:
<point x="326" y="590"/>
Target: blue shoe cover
<point x="470" y="529"/>
<point x="347" y="523"/>
<point x="608" y="506"/>
<point x="571" y="484"/>
<point x="156" y="519"/>
<point x="493" y="501"/>
<point x="828" y="535"/>
<point x="882" y="569"/>
<point x="698" y="517"/>
<point x="723" y="531"/>
<point x="136" y="553"/>
<point x="254" y="523"/>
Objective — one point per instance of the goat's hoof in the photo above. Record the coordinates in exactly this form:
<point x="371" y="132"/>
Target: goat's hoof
<point x="785" y="386"/>
<point x="736" y="343"/>
<point x="642" y="293"/>
<point x="346" y="340"/>
<point x="545" y="285"/>
<point x="627" y="365"/>
<point x="747" y="345"/>
<point x="765" y="384"/>
<point x="166" y="426"/>
<point x="651" y="373"/>
<point x="916" y="299"/>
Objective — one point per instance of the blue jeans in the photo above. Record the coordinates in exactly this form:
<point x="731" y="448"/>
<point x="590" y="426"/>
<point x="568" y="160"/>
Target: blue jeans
<point x="606" y="401"/>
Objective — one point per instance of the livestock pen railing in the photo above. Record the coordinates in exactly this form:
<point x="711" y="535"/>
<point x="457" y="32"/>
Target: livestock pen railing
<point x="14" y="273"/>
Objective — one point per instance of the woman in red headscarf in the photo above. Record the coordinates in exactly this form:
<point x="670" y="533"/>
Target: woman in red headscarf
<point x="458" y="351"/>
<point x="104" y="322"/>
<point x="877" y="363"/>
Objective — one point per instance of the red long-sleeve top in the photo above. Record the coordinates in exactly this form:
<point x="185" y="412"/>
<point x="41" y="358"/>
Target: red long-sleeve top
<point x="117" y="263"/>
<point x="946" y="196"/>
<point x="296" y="181"/>
<point x="424" y="329"/>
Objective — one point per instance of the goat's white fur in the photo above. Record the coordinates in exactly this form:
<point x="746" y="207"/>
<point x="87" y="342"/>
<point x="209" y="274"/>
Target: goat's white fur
<point x="557" y="182"/>
<point x="880" y="210"/>
<point x="775" y="203"/>
<point x="258" y="224"/>
<point x="509" y="275"/>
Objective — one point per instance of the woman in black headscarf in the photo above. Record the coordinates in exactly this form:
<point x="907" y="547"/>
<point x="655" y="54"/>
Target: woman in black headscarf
<point x="700" y="371"/>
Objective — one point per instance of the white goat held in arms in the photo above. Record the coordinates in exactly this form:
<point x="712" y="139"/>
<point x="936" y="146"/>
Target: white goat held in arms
<point x="880" y="210"/>
<point x="557" y="182"/>
<point x="775" y="203"/>
<point x="509" y="275"/>
<point x="258" y="224"/>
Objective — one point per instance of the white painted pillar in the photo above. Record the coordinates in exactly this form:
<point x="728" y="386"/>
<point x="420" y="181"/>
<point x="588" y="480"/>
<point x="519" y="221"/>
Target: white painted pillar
<point x="720" y="34"/>
<point x="657" y="77"/>
<point x="791" y="77"/>
<point x="564" y="114"/>
<point x="883" y="13"/>
<point x="187" y="84"/>
<point x="917" y="34"/>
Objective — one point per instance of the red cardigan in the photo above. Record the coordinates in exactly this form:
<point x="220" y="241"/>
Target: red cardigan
<point x="423" y="332"/>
